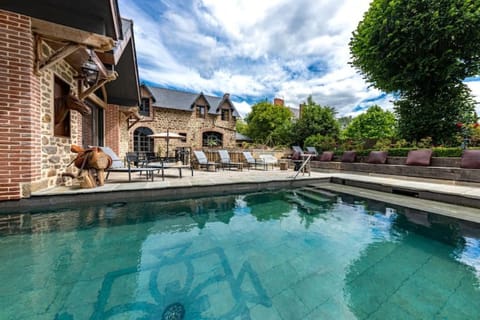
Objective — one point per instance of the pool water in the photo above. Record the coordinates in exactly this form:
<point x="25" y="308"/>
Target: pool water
<point x="291" y="254"/>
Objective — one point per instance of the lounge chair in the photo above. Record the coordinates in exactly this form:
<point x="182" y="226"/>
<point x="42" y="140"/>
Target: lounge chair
<point x="297" y="157"/>
<point x="312" y="150"/>
<point x="297" y="150"/>
<point x="202" y="161"/>
<point x="251" y="161"/>
<point x="226" y="162"/>
<point x="269" y="160"/>
<point x="119" y="166"/>
<point x="162" y="165"/>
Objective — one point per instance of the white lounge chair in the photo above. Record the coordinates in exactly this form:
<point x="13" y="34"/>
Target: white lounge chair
<point x="226" y="162"/>
<point x="251" y="161"/>
<point x="202" y="160"/>
<point x="269" y="160"/>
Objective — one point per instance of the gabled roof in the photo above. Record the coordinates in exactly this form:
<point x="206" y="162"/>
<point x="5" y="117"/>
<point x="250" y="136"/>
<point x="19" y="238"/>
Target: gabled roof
<point x="181" y="100"/>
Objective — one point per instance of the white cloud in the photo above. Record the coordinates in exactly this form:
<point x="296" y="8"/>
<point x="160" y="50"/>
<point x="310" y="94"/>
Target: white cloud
<point x="255" y="50"/>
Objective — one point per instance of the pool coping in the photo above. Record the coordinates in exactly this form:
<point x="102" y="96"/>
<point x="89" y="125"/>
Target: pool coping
<point x="224" y="183"/>
<point x="85" y="198"/>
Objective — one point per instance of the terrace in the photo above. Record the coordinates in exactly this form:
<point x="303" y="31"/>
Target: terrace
<point x="459" y="200"/>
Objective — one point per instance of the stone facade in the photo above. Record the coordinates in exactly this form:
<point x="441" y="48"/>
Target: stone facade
<point x="32" y="156"/>
<point x="185" y="122"/>
<point x="56" y="155"/>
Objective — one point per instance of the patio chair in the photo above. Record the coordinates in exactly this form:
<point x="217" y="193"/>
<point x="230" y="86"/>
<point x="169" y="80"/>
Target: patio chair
<point x="269" y="160"/>
<point x="119" y="166"/>
<point x="251" y="161"/>
<point x="297" y="157"/>
<point x="202" y="160"/>
<point x="312" y="150"/>
<point x="226" y="162"/>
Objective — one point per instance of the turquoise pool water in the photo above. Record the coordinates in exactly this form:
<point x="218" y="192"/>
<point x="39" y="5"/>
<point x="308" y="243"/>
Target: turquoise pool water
<point x="274" y="255"/>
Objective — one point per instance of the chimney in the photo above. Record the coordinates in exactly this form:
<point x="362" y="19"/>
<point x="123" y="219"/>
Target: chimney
<point x="300" y="111"/>
<point x="278" y="102"/>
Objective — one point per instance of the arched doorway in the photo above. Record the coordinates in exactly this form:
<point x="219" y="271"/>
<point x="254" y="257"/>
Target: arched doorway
<point x="141" y="141"/>
<point x="212" y="139"/>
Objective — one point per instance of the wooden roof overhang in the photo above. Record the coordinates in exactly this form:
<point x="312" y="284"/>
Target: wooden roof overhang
<point x="82" y="29"/>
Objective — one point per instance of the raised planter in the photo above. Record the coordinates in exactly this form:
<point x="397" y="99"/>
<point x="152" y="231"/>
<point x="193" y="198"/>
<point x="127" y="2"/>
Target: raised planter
<point x="440" y="168"/>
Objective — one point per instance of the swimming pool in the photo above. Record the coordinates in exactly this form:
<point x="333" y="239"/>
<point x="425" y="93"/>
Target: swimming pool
<point x="291" y="254"/>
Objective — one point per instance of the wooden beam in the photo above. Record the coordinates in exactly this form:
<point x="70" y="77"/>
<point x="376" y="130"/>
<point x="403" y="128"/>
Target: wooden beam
<point x="95" y="99"/>
<point x="111" y="75"/>
<point x="82" y="95"/>
<point x="57" y="56"/>
<point x="63" y="33"/>
<point x="100" y="66"/>
<point x="105" y="95"/>
<point x="112" y="57"/>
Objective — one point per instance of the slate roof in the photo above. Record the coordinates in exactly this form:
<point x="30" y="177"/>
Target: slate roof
<point x="241" y="137"/>
<point x="181" y="100"/>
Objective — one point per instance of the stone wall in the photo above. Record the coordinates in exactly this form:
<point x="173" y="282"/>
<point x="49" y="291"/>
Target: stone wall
<point x="185" y="122"/>
<point x="56" y="154"/>
<point x="32" y="157"/>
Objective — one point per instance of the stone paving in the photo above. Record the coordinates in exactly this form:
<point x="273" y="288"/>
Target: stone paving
<point x="226" y="180"/>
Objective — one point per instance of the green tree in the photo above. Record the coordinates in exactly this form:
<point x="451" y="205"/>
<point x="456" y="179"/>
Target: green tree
<point x="241" y="126"/>
<point x="315" y="120"/>
<point x="373" y="124"/>
<point x="267" y="123"/>
<point x="344" y="121"/>
<point x="422" y="51"/>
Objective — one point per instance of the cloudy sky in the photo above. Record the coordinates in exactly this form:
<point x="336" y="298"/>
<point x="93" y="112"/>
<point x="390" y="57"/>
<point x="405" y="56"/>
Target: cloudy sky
<point x="255" y="50"/>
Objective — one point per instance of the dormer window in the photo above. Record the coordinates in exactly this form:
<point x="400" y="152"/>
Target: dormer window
<point x="145" y="107"/>
<point x="201" y="111"/>
<point x="225" y="114"/>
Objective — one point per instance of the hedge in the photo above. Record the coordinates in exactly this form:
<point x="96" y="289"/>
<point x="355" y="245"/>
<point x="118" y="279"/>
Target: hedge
<point x="403" y="152"/>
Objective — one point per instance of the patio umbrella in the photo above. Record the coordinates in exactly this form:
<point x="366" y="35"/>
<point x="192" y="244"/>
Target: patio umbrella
<point x="167" y="136"/>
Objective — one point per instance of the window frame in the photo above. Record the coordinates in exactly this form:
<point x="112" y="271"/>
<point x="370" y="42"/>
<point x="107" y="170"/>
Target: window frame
<point x="200" y="111"/>
<point x="61" y="89"/>
<point x="145" y="111"/>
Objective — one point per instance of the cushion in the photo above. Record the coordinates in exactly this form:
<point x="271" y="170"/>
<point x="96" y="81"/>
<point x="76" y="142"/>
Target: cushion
<point x="326" y="156"/>
<point x="349" y="156"/>
<point x="377" y="157"/>
<point x="470" y="159"/>
<point x="419" y="157"/>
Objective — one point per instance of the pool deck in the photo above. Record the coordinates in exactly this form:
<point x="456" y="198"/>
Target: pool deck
<point x="413" y="192"/>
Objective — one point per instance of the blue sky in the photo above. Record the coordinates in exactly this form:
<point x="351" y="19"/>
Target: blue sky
<point x="255" y="50"/>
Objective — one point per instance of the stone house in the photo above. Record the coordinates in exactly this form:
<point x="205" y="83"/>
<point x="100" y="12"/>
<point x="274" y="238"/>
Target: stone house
<point x="68" y="76"/>
<point x="201" y="121"/>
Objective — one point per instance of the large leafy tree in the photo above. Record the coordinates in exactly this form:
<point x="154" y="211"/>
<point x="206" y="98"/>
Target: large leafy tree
<point x="269" y="123"/>
<point x="422" y="51"/>
<point x="315" y="120"/>
<point x="373" y="124"/>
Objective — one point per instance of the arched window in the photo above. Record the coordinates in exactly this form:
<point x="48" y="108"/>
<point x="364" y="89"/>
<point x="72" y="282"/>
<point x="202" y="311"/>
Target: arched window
<point x="212" y="139"/>
<point x="141" y="140"/>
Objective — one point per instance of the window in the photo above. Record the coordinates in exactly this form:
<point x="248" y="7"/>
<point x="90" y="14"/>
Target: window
<point x="93" y="126"/>
<point x="141" y="140"/>
<point x="184" y="136"/>
<point x="225" y="114"/>
<point x="201" y="110"/>
<point x="212" y="139"/>
<point x="61" y="112"/>
<point x="145" y="107"/>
